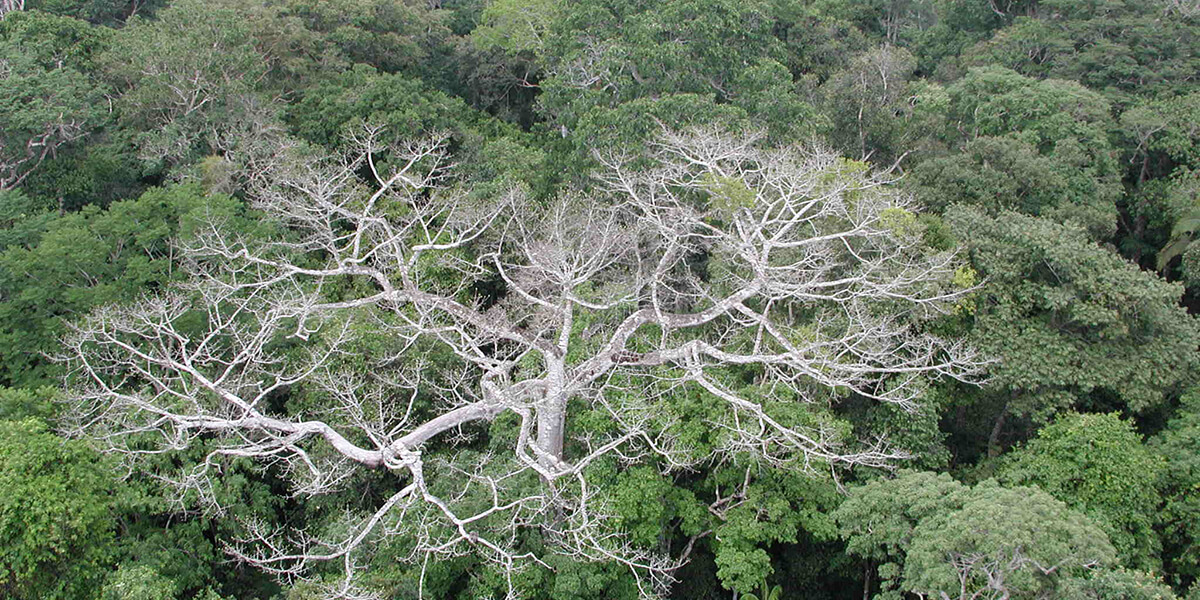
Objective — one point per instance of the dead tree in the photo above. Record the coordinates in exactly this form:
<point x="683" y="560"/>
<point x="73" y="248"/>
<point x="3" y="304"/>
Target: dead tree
<point x="812" y="276"/>
<point x="16" y="164"/>
<point x="7" y="6"/>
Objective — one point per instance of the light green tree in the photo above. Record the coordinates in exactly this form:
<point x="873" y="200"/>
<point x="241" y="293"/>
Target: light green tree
<point x="879" y="519"/>
<point x="1097" y="464"/>
<point x="201" y="70"/>
<point x="56" y="526"/>
<point x="934" y="537"/>
<point x="1116" y="584"/>
<point x="1003" y="543"/>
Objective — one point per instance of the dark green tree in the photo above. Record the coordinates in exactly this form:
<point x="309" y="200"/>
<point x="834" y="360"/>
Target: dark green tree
<point x="1179" y="445"/>
<point x="1016" y="143"/>
<point x="45" y="107"/>
<point x="1070" y="322"/>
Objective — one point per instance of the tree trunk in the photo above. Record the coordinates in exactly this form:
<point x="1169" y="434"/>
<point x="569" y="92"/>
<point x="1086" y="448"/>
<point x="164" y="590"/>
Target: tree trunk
<point x="867" y="569"/>
<point x="552" y="413"/>
<point x="997" y="428"/>
<point x="552" y="421"/>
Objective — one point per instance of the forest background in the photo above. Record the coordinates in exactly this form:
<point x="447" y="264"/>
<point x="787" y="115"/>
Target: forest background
<point x="1051" y="147"/>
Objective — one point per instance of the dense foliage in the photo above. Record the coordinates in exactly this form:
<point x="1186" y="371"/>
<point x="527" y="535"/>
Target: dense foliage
<point x="1028" y="170"/>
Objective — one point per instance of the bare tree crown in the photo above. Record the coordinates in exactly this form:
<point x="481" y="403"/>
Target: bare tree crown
<point x="793" y="265"/>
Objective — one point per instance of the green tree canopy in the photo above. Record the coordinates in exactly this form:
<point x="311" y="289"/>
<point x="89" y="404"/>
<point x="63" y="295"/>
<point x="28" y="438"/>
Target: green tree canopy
<point x="1039" y="147"/>
<point x="933" y="536"/>
<point x="1003" y="543"/>
<point x="56" y="522"/>
<point x="1097" y="464"/>
<point x="1116" y="584"/>
<point x="79" y="261"/>
<point x="43" y="108"/>
<point x="1179" y="444"/>
<point x="1069" y="321"/>
<point x="879" y="519"/>
<point x="202" y="68"/>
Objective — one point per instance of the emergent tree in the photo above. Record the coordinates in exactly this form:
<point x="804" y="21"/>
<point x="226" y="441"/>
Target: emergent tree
<point x="773" y="281"/>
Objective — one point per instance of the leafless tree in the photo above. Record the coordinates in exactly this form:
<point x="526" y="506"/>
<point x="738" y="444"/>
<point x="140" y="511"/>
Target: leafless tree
<point x="812" y="277"/>
<point x="1183" y="8"/>
<point x="45" y="112"/>
<point x="874" y="89"/>
<point x="7" y="6"/>
<point x="52" y="120"/>
<point x="19" y="160"/>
